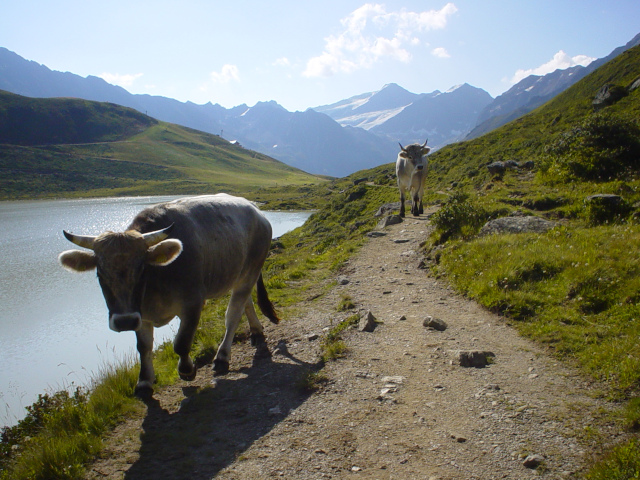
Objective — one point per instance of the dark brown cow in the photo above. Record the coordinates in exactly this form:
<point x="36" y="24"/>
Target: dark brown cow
<point x="172" y="258"/>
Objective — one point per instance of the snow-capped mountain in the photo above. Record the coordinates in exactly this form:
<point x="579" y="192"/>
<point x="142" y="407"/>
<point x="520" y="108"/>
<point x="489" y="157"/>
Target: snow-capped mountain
<point x="395" y="113"/>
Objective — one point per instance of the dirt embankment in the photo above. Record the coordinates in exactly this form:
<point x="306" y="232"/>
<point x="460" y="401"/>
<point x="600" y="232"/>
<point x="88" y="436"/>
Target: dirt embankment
<point x="398" y="406"/>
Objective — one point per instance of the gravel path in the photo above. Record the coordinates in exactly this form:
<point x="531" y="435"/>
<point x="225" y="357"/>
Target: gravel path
<point x="398" y="405"/>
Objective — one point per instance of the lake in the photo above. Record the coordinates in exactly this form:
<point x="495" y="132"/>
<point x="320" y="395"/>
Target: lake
<point x="54" y="330"/>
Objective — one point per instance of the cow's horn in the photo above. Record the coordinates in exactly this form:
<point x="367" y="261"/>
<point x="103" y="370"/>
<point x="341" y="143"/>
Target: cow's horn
<point x="85" y="241"/>
<point x="401" y="147"/>
<point x="425" y="143"/>
<point x="153" y="238"/>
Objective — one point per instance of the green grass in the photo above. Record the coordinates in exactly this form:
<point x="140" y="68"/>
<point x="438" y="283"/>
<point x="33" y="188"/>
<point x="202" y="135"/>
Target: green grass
<point x="69" y="147"/>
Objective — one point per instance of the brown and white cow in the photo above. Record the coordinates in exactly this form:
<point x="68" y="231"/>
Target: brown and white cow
<point x="411" y="170"/>
<point x="173" y="257"/>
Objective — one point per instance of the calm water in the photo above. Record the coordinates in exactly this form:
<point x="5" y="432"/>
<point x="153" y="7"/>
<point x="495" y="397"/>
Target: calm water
<point x="54" y="330"/>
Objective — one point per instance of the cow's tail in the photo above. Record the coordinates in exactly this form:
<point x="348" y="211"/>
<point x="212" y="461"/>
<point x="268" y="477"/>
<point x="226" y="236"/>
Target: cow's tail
<point x="264" y="303"/>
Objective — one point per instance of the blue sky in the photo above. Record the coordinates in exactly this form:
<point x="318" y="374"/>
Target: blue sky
<point x="308" y="53"/>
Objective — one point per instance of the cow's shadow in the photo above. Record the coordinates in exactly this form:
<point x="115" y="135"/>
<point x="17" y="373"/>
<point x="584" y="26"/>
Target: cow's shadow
<point x="216" y="425"/>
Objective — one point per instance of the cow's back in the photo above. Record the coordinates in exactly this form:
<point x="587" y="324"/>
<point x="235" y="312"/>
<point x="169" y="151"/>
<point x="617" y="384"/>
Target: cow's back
<point x="225" y="240"/>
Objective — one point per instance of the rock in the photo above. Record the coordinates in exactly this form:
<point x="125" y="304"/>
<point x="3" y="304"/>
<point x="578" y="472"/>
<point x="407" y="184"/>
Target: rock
<point x="496" y="168"/>
<point x="386" y="208"/>
<point x="281" y="348"/>
<point x="517" y="224"/>
<point x="394" y="379"/>
<point x="474" y="358"/>
<point x="342" y="280"/>
<point x="635" y="84"/>
<point x="435" y="323"/>
<point x="368" y="323"/>
<point x="605" y="199"/>
<point x="312" y="337"/>
<point x="608" y="95"/>
<point x="275" y="411"/>
<point x="528" y="165"/>
<point x="533" y="461"/>
<point x="389" y="220"/>
<point x="375" y="234"/>
<point x="511" y="164"/>
<point x="401" y="240"/>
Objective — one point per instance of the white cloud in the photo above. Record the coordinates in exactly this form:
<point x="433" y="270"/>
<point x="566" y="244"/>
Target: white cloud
<point x="440" y="52"/>
<point x="227" y="74"/>
<point x="282" y="62"/>
<point x="560" y="60"/>
<point x="371" y="33"/>
<point x="125" y="80"/>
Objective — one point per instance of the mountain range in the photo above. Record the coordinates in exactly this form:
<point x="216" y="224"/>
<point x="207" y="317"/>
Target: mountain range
<point x="336" y="140"/>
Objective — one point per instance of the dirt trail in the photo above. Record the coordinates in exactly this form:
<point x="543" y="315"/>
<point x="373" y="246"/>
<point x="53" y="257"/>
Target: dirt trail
<point x="433" y="419"/>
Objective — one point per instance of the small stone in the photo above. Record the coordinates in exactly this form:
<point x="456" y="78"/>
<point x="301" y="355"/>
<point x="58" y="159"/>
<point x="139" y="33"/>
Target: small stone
<point x="342" y="280"/>
<point x="403" y="317"/>
<point x="275" y="411"/>
<point x="356" y="469"/>
<point x="368" y="323"/>
<point x="375" y="234"/>
<point x="475" y="359"/>
<point x="312" y="337"/>
<point x="533" y="461"/>
<point x="435" y="323"/>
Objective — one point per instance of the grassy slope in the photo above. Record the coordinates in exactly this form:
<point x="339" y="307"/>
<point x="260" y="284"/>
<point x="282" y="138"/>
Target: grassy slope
<point x="70" y="147"/>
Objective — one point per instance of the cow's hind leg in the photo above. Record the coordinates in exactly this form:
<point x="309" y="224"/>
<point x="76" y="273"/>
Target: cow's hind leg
<point x="184" y="339"/>
<point x="147" y="376"/>
<point x="236" y="307"/>
<point x="257" y="332"/>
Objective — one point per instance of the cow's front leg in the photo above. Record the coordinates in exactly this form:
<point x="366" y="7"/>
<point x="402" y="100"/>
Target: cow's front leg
<point x="235" y="309"/>
<point x="415" y="205"/>
<point x="147" y="376"/>
<point x="401" y="203"/>
<point x="184" y="339"/>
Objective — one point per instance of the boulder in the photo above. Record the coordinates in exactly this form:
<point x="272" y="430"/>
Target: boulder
<point x="519" y="224"/>
<point x="435" y="323"/>
<point x="389" y="220"/>
<point x="496" y="168"/>
<point x="608" y="95"/>
<point x="386" y="208"/>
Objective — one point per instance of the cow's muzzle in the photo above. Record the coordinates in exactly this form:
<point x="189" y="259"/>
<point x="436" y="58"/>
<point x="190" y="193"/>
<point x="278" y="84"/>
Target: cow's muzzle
<point x="419" y="167"/>
<point x="125" y="322"/>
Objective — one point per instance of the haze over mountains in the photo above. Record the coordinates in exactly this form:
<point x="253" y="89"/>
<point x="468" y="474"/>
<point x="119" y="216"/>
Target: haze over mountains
<point x="338" y="139"/>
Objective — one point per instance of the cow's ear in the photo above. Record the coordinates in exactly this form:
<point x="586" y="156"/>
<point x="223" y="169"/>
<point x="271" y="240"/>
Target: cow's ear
<point x="77" y="260"/>
<point x="404" y="154"/>
<point x="425" y="150"/>
<point x="164" y="252"/>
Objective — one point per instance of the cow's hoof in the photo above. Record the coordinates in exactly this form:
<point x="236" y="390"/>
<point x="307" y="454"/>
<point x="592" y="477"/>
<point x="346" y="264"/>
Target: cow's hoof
<point x="257" y="339"/>
<point x="144" y="391"/>
<point x="188" y="376"/>
<point x="402" y="214"/>
<point x="220" y="367"/>
<point x="262" y="350"/>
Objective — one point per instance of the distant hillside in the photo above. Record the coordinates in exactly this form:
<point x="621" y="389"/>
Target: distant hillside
<point x="269" y="128"/>
<point x="29" y="121"/>
<point x="534" y="90"/>
<point x="71" y="147"/>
